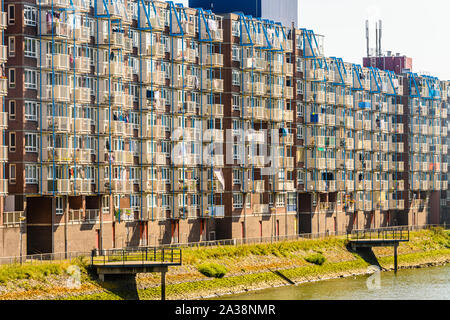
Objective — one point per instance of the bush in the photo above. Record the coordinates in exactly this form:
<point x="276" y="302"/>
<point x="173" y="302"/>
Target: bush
<point x="212" y="270"/>
<point x="317" y="259"/>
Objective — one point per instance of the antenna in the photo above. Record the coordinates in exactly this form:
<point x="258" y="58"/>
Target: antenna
<point x="367" y="38"/>
<point x="376" y="39"/>
<point x="379" y="35"/>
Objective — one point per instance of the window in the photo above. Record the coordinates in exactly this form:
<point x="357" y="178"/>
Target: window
<point x="235" y="53"/>
<point x="300" y="109"/>
<point x="236" y="77"/>
<point x="12" y="109"/>
<point x="235" y="28"/>
<point x="236" y="103"/>
<point x="11" y="14"/>
<point x="31" y="109"/>
<point x="59" y="206"/>
<point x="280" y="200"/>
<point x="31" y="144"/>
<point x="12" y="141"/>
<point x="12" y="173"/>
<point x="12" y="46"/>
<point x="237" y="176"/>
<point x="30" y="47"/>
<point x="237" y="201"/>
<point x="12" y="78"/>
<point x="30" y="79"/>
<point x="105" y="204"/>
<point x="29" y="15"/>
<point x="31" y="174"/>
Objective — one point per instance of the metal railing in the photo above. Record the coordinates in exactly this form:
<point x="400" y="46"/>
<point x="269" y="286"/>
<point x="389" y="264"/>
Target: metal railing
<point x="383" y="234"/>
<point x="62" y="256"/>
<point x="136" y="256"/>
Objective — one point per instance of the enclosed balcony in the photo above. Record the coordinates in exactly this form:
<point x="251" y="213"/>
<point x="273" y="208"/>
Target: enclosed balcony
<point x="82" y="125"/>
<point x="60" y="93"/>
<point x="153" y="159"/>
<point x="214" y="60"/>
<point x="255" y="64"/>
<point x="215" y="110"/>
<point x="3" y="20"/>
<point x="3" y="154"/>
<point x="60" y="186"/>
<point x="3" y="86"/>
<point x="81" y="95"/>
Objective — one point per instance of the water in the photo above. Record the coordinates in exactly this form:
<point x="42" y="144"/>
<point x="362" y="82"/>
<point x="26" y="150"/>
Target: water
<point x="412" y="284"/>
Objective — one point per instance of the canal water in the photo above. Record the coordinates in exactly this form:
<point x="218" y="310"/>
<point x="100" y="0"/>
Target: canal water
<point x="411" y="284"/>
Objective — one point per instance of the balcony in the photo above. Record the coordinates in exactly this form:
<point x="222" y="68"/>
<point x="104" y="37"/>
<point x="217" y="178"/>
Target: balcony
<point x="184" y="54"/>
<point x="59" y="124"/>
<point x="57" y="30"/>
<point x="215" y="110"/>
<point x="81" y="186"/>
<point x="286" y="185"/>
<point x="13" y="219"/>
<point x="214" y="61"/>
<point x="119" y="157"/>
<point x="153" y="132"/>
<point x="60" y="93"/>
<point x="257" y="64"/>
<point x="83" y="156"/>
<point x="316" y="163"/>
<point x="154" y="159"/>
<point x="3" y="154"/>
<point x="3" y="20"/>
<point x="57" y="62"/>
<point x="81" y="95"/>
<point x="215" y="85"/>
<point x="257" y="161"/>
<point x="61" y="186"/>
<point x="59" y="155"/>
<point x="3" y="86"/>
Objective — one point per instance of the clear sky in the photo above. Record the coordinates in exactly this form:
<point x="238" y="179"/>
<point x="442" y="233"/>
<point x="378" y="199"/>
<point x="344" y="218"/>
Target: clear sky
<point x="416" y="28"/>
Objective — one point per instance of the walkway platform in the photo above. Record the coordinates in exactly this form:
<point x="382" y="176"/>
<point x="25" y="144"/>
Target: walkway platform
<point x="129" y="262"/>
<point x="386" y="237"/>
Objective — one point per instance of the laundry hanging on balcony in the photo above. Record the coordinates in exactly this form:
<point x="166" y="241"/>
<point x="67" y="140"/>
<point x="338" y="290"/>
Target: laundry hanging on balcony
<point x="365" y="105"/>
<point x="314" y="118"/>
<point x="219" y="175"/>
<point x="212" y="25"/>
<point x="284" y="132"/>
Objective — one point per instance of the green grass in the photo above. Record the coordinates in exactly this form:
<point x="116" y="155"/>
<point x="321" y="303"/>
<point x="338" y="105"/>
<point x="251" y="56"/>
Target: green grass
<point x="212" y="270"/>
<point x="280" y="249"/>
<point x="316" y="258"/>
<point x="38" y="272"/>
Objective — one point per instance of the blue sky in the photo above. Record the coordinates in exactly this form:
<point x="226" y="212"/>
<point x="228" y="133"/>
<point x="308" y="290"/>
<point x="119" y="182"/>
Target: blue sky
<point x="416" y="28"/>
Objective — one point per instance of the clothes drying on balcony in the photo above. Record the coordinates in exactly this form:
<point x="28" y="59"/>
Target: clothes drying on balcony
<point x="314" y="118"/>
<point x="365" y="105"/>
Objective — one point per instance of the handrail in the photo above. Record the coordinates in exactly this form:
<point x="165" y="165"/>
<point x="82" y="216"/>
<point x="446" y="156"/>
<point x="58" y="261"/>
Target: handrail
<point x="137" y="256"/>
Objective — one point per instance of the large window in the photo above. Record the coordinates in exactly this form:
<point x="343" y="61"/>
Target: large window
<point x="237" y="200"/>
<point x="31" y="142"/>
<point x="30" y="47"/>
<point x="31" y="174"/>
<point x="29" y="16"/>
<point x="30" y="79"/>
<point x="31" y="110"/>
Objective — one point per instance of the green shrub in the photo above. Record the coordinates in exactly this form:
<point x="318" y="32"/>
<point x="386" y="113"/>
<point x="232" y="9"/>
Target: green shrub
<point x="212" y="270"/>
<point x="316" y="258"/>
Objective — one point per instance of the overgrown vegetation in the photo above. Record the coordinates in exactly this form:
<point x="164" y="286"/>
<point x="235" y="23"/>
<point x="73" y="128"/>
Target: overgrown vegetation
<point x="316" y="258"/>
<point x="280" y="249"/>
<point x="37" y="272"/>
<point x="212" y="270"/>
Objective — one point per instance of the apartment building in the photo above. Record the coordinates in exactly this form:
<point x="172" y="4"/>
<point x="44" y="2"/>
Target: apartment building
<point x="134" y="123"/>
<point x="7" y="219"/>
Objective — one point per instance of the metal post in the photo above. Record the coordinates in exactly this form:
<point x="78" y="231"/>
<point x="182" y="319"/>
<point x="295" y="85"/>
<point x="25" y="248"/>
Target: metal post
<point x="163" y="285"/>
<point x="395" y="258"/>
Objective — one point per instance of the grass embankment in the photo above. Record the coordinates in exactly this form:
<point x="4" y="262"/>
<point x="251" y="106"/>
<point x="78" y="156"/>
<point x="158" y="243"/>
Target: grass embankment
<point x="224" y="270"/>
